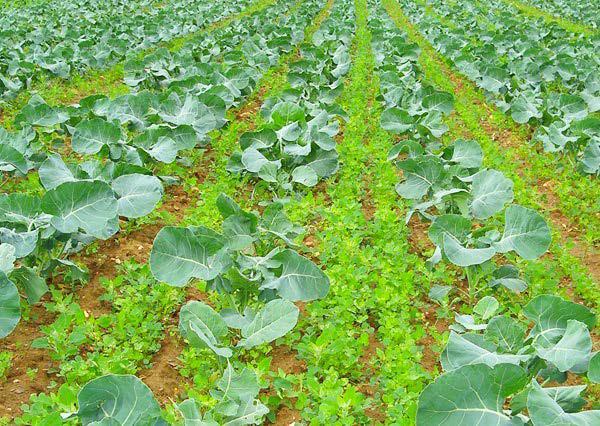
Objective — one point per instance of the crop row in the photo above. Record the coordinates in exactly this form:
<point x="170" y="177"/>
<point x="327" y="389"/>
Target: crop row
<point x="448" y="186"/>
<point x="120" y="141"/>
<point x="536" y="72"/>
<point x="71" y="37"/>
<point x="584" y="11"/>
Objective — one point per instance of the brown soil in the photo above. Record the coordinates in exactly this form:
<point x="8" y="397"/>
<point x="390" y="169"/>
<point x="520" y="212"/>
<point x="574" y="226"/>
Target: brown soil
<point x="286" y="416"/>
<point x="284" y="359"/>
<point x="419" y="238"/>
<point x="16" y="389"/>
<point x="111" y="253"/>
<point x="163" y="376"/>
<point x="430" y="358"/>
<point x="369" y="385"/>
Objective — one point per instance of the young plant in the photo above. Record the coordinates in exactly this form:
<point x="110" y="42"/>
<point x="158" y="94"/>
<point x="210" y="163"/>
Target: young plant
<point x="496" y="367"/>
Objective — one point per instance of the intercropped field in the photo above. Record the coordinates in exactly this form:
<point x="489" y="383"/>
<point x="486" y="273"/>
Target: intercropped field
<point x="310" y="212"/>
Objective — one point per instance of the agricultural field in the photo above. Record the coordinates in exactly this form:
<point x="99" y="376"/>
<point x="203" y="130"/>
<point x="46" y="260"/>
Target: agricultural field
<point x="309" y="212"/>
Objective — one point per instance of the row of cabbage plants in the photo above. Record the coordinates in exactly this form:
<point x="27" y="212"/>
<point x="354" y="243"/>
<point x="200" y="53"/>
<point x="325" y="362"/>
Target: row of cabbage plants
<point x="498" y="368"/>
<point x="250" y="265"/>
<point x="535" y="71"/>
<point x="73" y="36"/>
<point x="117" y="145"/>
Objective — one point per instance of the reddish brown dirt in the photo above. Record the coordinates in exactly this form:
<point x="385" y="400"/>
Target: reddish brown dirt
<point x="369" y="384"/>
<point x="112" y="253"/>
<point x="18" y="386"/>
<point x="419" y="238"/>
<point x="163" y="376"/>
<point x="284" y="359"/>
<point x="430" y="358"/>
<point x="286" y="416"/>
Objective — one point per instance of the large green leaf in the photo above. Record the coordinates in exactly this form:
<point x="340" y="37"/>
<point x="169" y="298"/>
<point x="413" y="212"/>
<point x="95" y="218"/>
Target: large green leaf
<point x="275" y="320"/>
<point x="117" y="400"/>
<point x="594" y="368"/>
<point x="137" y="194"/>
<point x="203" y="327"/>
<point x="467" y="153"/>
<point x="525" y="232"/>
<point x="237" y="386"/>
<point x="470" y="395"/>
<point x="544" y="411"/>
<point x="54" y="171"/>
<point x="490" y="190"/>
<point x="551" y="315"/>
<point x="462" y="256"/>
<point x="300" y="279"/>
<point x="13" y="158"/>
<point x="573" y="348"/>
<point x="180" y="254"/>
<point x="473" y="349"/>
<point x="421" y="175"/>
<point x="506" y="333"/>
<point x="19" y="208"/>
<point x="91" y="135"/>
<point x="396" y="120"/>
<point x="87" y="205"/>
<point x="10" y="306"/>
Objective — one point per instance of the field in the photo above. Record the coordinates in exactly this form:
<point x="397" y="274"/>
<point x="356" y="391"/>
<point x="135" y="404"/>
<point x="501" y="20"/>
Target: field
<point x="310" y="212"/>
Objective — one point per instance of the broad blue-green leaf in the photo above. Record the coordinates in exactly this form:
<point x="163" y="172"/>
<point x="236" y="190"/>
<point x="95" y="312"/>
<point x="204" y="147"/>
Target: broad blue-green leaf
<point x="396" y="120"/>
<point x="573" y="348"/>
<point x="467" y="153"/>
<point x="10" y="306"/>
<point x="462" y="256"/>
<point x="471" y="395"/>
<point x="594" y="368"/>
<point x="544" y="411"/>
<point x="493" y="79"/>
<point x="524" y="108"/>
<point x="54" y="171"/>
<point x="421" y="174"/>
<point x="508" y="276"/>
<point x="137" y="194"/>
<point x="439" y="101"/>
<point x="506" y="333"/>
<point x="191" y="414"/>
<point x="179" y="254"/>
<point x="23" y="242"/>
<point x="240" y="230"/>
<point x="305" y="175"/>
<point x="300" y="279"/>
<point x="491" y="191"/>
<point x="473" y="349"/>
<point x="237" y="386"/>
<point x="434" y="123"/>
<point x="486" y="307"/>
<point x="203" y="327"/>
<point x="273" y="321"/>
<point x="287" y="112"/>
<point x="590" y="159"/>
<point x="525" y="232"/>
<point x="91" y="135"/>
<point x="87" y="205"/>
<point x="34" y="285"/>
<point x="258" y="140"/>
<point x="117" y="399"/>
<point x="249" y="412"/>
<point x="13" y="158"/>
<point x="551" y="315"/>
<point x="457" y="226"/>
<point x="19" y="208"/>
